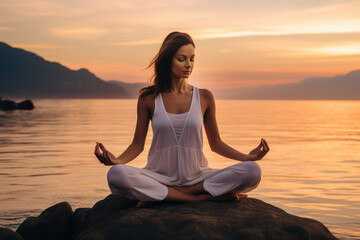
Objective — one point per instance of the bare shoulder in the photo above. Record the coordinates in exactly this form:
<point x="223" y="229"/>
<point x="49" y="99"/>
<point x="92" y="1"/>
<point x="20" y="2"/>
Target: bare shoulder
<point x="146" y="103"/>
<point x="207" y="100"/>
<point x="206" y="95"/>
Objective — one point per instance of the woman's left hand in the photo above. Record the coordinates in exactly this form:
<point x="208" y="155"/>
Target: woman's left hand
<point x="259" y="152"/>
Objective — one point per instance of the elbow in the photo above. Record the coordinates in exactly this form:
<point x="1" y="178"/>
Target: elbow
<point x="214" y="146"/>
<point x="139" y="147"/>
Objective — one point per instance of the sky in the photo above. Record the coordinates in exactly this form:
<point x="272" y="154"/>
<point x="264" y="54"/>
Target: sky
<point x="238" y="43"/>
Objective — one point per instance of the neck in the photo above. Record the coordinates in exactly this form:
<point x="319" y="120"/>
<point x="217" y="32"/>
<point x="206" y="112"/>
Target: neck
<point x="179" y="85"/>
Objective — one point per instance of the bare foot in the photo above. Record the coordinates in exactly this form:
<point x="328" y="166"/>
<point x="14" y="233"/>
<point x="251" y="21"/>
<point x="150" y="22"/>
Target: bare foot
<point x="230" y="196"/>
<point x="141" y="204"/>
<point x="240" y="195"/>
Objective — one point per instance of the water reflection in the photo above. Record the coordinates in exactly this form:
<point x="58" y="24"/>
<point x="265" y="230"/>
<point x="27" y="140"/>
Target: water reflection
<point x="312" y="170"/>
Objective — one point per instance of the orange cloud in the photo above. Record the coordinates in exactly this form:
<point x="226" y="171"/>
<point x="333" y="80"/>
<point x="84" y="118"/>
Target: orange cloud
<point x="82" y="33"/>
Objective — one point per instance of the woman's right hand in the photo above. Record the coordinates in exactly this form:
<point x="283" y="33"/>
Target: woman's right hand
<point x="104" y="156"/>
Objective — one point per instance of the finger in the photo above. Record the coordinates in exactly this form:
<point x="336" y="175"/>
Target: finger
<point x="102" y="147"/>
<point x="260" y="144"/>
<point x="264" y="147"/>
<point x="106" y="160"/>
<point x="108" y="157"/>
<point x="104" y="156"/>
<point x="267" y="146"/>
<point x="98" y="155"/>
<point x="263" y="153"/>
<point x="100" y="158"/>
<point x="96" y="147"/>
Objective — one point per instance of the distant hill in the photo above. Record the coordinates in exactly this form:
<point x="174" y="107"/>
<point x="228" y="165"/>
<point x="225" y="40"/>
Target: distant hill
<point x="340" y="87"/>
<point x="25" y="74"/>
<point x="132" y="88"/>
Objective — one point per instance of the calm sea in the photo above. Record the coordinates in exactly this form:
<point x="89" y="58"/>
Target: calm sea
<point x="312" y="170"/>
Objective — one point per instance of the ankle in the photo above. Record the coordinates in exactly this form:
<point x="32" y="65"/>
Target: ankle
<point x="202" y="197"/>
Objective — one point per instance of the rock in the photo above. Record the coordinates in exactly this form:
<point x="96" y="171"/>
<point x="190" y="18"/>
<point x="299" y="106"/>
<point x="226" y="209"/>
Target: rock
<point x="7" y="105"/>
<point x="11" y="105"/>
<point x="102" y="211"/>
<point x="7" y="234"/>
<point x="25" y="105"/>
<point x="54" y="223"/>
<point x="118" y="218"/>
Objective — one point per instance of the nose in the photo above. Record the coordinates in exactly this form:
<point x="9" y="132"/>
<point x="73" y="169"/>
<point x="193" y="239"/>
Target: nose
<point x="188" y="64"/>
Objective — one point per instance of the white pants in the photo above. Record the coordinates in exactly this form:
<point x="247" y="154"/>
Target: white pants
<point x="128" y="181"/>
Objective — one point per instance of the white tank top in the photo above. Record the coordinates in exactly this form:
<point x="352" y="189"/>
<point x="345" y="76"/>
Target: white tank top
<point x="176" y="155"/>
<point x="177" y="122"/>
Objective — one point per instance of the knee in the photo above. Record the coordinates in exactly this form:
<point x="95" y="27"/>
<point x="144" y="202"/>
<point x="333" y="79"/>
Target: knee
<point x="116" y="176"/>
<point x="252" y="172"/>
<point x="255" y="172"/>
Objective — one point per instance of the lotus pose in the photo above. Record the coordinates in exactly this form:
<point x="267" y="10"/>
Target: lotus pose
<point x="177" y="169"/>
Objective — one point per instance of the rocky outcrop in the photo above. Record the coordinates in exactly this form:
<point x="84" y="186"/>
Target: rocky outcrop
<point x="118" y="218"/>
<point x="25" y="74"/>
<point x="11" y="105"/>
<point x="54" y="223"/>
<point x="7" y="234"/>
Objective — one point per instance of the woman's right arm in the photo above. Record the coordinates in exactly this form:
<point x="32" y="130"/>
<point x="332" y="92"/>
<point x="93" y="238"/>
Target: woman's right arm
<point x="137" y="145"/>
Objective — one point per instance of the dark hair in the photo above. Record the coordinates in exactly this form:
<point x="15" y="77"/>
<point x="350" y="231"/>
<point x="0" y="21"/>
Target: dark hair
<point x="162" y="63"/>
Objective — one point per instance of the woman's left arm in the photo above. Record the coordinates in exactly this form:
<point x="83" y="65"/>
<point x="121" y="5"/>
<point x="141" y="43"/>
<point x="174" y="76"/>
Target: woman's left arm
<point x="215" y="142"/>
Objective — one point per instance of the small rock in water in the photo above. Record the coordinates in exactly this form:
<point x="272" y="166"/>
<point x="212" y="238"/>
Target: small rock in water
<point x="25" y="105"/>
<point x="6" y="105"/>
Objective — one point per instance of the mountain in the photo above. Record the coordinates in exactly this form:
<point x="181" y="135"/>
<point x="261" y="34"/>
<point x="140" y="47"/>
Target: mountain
<point x="132" y="88"/>
<point x="340" y="87"/>
<point x="25" y="74"/>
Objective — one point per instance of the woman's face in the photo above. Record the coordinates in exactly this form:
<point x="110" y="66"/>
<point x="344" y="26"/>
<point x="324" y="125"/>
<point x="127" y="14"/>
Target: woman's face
<point x="183" y="61"/>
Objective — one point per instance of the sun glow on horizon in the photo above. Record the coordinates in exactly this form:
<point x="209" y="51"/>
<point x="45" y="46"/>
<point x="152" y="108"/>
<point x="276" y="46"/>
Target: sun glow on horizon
<point x="237" y="43"/>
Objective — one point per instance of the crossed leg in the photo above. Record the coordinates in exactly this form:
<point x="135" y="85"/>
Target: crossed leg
<point x="195" y="193"/>
<point x="229" y="183"/>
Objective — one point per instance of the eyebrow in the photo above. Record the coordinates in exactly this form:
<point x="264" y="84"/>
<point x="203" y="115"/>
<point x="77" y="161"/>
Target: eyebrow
<point x="182" y="55"/>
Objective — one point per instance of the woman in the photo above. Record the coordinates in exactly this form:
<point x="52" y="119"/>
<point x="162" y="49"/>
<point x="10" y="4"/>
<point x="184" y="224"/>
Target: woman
<point x="177" y="169"/>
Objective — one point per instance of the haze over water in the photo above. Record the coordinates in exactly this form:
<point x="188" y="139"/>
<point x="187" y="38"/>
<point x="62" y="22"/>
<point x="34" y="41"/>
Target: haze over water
<point x="312" y="169"/>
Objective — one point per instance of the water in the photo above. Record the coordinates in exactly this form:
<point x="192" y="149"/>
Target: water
<point x="312" y="169"/>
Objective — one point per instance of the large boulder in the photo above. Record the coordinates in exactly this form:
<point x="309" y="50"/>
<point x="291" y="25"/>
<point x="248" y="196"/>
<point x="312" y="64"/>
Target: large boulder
<point x="54" y="223"/>
<point x="116" y="217"/>
<point x="7" y="234"/>
<point x="249" y="218"/>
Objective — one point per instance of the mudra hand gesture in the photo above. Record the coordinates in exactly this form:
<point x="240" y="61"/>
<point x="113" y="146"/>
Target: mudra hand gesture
<point x="259" y="152"/>
<point x="104" y="156"/>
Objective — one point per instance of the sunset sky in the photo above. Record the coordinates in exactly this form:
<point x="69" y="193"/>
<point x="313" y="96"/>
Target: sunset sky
<point x="238" y="43"/>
